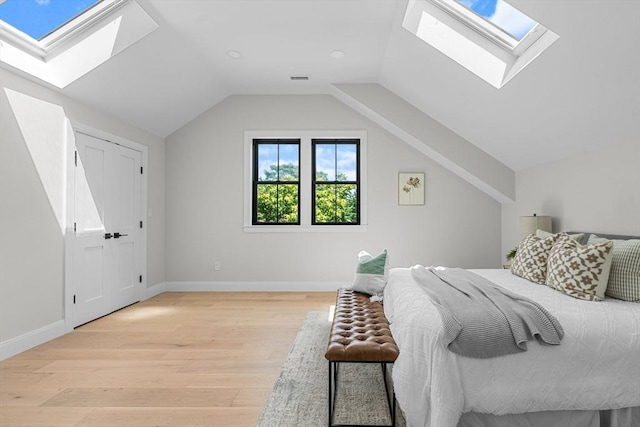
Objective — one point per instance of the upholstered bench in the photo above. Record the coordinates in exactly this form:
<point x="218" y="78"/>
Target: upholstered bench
<point x="359" y="334"/>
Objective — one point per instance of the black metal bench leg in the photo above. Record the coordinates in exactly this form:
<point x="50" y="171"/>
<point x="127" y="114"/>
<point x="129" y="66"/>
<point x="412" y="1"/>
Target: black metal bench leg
<point x="391" y="397"/>
<point x="330" y="394"/>
<point x="333" y="391"/>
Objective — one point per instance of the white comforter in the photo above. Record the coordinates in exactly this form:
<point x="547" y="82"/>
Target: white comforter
<point x="597" y="366"/>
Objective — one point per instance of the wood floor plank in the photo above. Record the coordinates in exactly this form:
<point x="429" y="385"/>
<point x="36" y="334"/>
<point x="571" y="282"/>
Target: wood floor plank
<point x="105" y="379"/>
<point x="31" y="396"/>
<point x="141" y="397"/>
<point x="110" y="365"/>
<point x="41" y="417"/>
<point x="20" y="379"/>
<point x="251" y="397"/>
<point x="163" y="417"/>
<point x="178" y="359"/>
<point x="242" y="380"/>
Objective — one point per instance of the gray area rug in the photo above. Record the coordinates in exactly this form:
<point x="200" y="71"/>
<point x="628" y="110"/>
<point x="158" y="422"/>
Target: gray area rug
<point x="299" y="397"/>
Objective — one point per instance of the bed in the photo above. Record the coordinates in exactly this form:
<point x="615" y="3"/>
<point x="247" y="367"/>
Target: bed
<point x="591" y="380"/>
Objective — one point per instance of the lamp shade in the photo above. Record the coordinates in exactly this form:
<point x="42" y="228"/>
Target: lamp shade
<point x="529" y="224"/>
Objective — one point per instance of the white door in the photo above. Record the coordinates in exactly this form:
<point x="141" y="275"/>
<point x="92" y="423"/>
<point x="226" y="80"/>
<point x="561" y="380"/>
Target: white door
<point x="106" y="265"/>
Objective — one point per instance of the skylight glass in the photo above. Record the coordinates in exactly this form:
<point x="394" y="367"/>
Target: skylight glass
<point x="39" y="18"/>
<point x="502" y="15"/>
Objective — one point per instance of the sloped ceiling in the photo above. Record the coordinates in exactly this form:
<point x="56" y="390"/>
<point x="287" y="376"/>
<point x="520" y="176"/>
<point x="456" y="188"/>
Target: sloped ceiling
<point x="582" y="93"/>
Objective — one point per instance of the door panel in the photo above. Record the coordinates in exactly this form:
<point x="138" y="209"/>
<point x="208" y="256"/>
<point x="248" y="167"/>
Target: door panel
<point x="126" y="287"/>
<point x="90" y="189"/>
<point x="107" y="239"/>
<point x="93" y="274"/>
<point x="127" y="169"/>
<point x="91" y="271"/>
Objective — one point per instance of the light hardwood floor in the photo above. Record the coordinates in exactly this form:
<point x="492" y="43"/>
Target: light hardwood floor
<point x="178" y="359"/>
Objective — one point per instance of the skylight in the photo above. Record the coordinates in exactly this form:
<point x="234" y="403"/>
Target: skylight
<point x="59" y="41"/>
<point x="42" y="26"/>
<point x="39" y="18"/>
<point x="501" y="14"/>
<point x="490" y="38"/>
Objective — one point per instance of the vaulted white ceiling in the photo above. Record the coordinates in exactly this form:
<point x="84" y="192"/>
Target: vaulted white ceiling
<point x="582" y="93"/>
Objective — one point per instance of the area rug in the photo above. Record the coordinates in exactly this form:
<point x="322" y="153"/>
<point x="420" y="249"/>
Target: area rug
<point x="299" y="397"/>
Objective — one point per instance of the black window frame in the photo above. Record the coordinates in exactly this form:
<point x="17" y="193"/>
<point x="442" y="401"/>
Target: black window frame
<point x="256" y="182"/>
<point x="314" y="181"/>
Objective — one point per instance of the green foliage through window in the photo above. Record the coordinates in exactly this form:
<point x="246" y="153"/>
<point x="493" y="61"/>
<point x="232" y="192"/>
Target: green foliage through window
<point x="335" y="186"/>
<point x="276" y="184"/>
<point x="336" y="174"/>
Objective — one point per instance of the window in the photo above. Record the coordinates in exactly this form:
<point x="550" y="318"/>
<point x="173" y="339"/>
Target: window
<point x="490" y="38"/>
<point x="41" y="26"/>
<point x="276" y="188"/>
<point x="335" y="185"/>
<point x="59" y="41"/>
<point x="38" y="19"/>
<point x="305" y="181"/>
<point x="497" y="19"/>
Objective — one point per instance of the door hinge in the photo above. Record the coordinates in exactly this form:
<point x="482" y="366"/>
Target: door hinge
<point x="140" y="224"/>
<point x="75" y="225"/>
<point x="74" y="299"/>
<point x="140" y="279"/>
<point x="75" y="157"/>
<point x="141" y="170"/>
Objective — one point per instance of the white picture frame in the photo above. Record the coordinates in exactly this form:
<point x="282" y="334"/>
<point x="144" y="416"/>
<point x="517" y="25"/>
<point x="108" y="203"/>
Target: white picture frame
<point x="411" y="188"/>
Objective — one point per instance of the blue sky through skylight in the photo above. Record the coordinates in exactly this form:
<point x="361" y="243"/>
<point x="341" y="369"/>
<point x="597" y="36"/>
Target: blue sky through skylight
<point x="502" y="15"/>
<point x="38" y="18"/>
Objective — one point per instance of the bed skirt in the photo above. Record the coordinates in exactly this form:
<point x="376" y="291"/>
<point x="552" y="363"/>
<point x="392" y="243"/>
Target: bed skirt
<point x="626" y="417"/>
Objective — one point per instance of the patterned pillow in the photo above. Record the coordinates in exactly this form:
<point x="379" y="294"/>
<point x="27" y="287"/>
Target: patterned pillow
<point x="530" y="261"/>
<point x="579" y="237"/>
<point x="624" y="279"/>
<point x="579" y="271"/>
<point x="371" y="273"/>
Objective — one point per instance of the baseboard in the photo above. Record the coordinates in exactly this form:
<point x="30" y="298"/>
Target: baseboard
<point x="252" y="286"/>
<point x="152" y="291"/>
<point x="24" y="342"/>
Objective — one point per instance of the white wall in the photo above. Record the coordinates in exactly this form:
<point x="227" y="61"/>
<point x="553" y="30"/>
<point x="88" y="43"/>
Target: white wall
<point x="596" y="191"/>
<point x="458" y="226"/>
<point x="31" y="237"/>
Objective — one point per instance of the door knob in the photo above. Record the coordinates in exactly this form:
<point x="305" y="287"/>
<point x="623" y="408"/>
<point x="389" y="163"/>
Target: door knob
<point x="108" y="235"/>
<point x="118" y="235"/>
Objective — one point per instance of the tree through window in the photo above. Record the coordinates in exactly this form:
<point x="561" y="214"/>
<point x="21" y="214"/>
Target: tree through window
<point x="276" y="188"/>
<point x="305" y="181"/>
<point x="336" y="182"/>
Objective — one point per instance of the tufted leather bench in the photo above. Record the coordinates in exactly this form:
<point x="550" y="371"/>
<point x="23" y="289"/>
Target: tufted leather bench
<point x="359" y="334"/>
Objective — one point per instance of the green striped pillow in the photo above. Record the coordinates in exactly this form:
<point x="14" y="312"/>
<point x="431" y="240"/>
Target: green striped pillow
<point x="371" y="273"/>
<point x="624" y="277"/>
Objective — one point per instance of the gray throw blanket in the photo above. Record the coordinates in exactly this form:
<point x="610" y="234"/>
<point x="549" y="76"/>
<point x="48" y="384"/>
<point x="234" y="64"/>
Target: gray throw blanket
<point x="482" y="319"/>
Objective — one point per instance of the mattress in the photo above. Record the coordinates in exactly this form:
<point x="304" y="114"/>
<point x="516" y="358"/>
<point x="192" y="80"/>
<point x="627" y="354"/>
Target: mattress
<point x="596" y="367"/>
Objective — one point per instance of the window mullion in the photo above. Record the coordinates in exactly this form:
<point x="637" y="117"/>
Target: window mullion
<point x="307" y="181"/>
<point x="335" y="183"/>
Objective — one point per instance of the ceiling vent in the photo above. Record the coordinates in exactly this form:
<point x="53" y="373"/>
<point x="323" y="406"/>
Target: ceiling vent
<point x="299" y="78"/>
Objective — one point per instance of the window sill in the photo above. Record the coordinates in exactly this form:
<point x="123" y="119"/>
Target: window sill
<point x="305" y="228"/>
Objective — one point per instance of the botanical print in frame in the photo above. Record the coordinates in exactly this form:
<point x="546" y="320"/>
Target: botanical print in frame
<point x="411" y="188"/>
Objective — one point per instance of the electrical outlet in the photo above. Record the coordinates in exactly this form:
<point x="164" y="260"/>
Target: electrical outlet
<point x="217" y="266"/>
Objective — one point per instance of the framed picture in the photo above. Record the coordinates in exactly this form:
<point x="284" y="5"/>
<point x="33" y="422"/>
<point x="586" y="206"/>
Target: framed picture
<point x="411" y="188"/>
